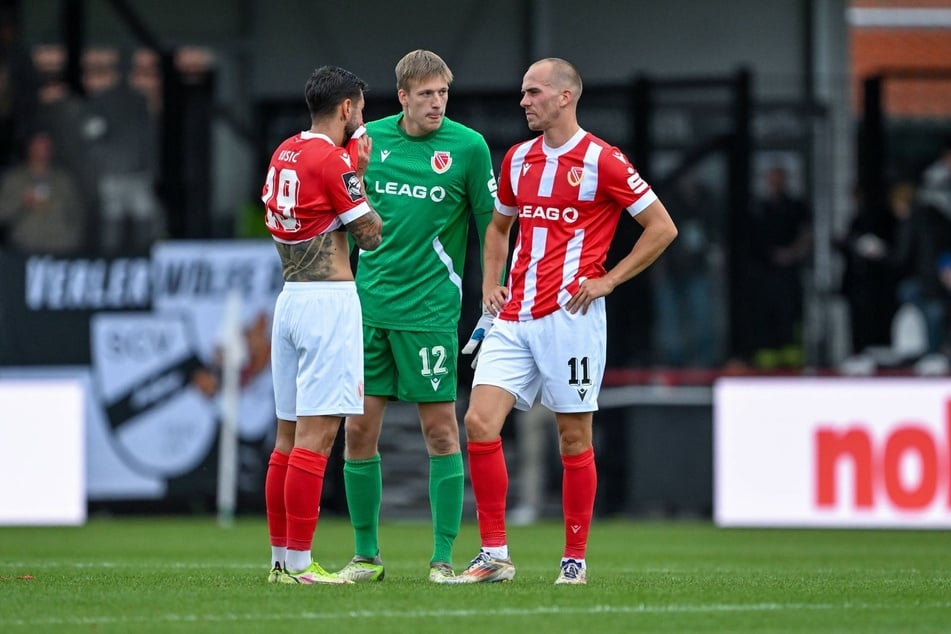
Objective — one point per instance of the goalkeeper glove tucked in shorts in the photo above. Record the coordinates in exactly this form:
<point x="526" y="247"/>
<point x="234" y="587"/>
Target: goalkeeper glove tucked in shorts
<point x="482" y="328"/>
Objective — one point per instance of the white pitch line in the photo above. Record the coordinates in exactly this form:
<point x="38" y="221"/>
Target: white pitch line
<point x="175" y="565"/>
<point x="35" y="565"/>
<point x="443" y="614"/>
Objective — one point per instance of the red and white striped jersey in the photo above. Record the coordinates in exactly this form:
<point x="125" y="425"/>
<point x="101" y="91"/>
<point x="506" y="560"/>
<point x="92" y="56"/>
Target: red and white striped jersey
<point x="311" y="188"/>
<point x="568" y="201"/>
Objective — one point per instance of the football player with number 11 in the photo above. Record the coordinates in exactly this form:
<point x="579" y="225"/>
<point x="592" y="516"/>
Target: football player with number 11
<point x="568" y="189"/>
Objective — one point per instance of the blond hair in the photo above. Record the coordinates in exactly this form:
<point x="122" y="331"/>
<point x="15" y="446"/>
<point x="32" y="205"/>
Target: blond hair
<point x="419" y="65"/>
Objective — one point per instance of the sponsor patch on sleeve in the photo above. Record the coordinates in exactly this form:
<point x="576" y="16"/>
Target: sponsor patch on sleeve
<point x="352" y="182"/>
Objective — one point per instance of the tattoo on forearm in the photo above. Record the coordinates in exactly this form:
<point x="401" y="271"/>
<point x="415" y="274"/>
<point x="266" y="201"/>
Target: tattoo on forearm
<point x="366" y="231"/>
<point x="310" y="261"/>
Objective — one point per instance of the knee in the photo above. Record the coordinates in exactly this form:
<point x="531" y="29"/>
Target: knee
<point x="360" y="436"/>
<point x="572" y="442"/>
<point x="442" y="437"/>
<point x="480" y="428"/>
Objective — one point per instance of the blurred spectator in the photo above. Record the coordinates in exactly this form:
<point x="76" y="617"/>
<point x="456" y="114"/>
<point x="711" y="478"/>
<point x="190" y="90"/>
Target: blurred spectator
<point x="145" y="77"/>
<point x="683" y="281"/>
<point x="923" y="244"/>
<point x="195" y="73"/>
<point x="49" y="62"/>
<point x="194" y="63"/>
<point x="935" y="189"/>
<point x="61" y="112"/>
<point x="18" y="90"/>
<point x="781" y="245"/>
<point x="40" y="206"/>
<point x="873" y="266"/>
<point x="120" y="137"/>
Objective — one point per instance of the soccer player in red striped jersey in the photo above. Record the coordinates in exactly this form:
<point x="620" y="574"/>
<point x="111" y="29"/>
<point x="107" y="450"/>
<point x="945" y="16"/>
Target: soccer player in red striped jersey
<point x="313" y="197"/>
<point x="568" y="189"/>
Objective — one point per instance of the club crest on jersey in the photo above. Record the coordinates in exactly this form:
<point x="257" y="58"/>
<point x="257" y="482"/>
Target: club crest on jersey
<point x="440" y="162"/>
<point x="574" y="176"/>
<point x="352" y="183"/>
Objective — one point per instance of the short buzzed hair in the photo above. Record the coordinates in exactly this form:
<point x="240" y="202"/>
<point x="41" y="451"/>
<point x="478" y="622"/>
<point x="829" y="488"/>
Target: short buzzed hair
<point x="419" y="65"/>
<point x="564" y="74"/>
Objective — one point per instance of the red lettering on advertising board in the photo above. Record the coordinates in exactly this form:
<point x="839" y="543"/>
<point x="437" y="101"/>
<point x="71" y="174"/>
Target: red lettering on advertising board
<point x="832" y="446"/>
<point x="910" y="496"/>
<point x="876" y="471"/>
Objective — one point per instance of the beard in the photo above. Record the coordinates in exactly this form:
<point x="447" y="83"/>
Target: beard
<point x="540" y="123"/>
<point x="350" y="127"/>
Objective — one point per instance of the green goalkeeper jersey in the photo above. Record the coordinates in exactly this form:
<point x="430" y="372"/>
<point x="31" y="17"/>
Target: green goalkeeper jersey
<point x="425" y="190"/>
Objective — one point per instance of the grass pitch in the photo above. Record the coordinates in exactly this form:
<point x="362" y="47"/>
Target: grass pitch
<point x="189" y="575"/>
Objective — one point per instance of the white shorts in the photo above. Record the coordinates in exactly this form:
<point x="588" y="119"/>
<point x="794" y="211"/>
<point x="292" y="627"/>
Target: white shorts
<point x="561" y="356"/>
<point x="317" y="350"/>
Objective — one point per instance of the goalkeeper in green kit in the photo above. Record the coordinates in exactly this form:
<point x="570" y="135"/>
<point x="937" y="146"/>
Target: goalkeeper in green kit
<point x="428" y="175"/>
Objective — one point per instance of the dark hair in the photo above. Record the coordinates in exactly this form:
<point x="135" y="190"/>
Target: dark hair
<point x="328" y="86"/>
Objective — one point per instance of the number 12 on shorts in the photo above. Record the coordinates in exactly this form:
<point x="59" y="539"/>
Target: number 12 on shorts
<point x="433" y="361"/>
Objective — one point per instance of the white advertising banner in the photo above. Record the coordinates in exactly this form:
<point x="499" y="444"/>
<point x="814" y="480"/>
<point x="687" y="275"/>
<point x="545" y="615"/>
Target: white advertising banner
<point x="46" y="487"/>
<point x="154" y="329"/>
<point x="832" y="452"/>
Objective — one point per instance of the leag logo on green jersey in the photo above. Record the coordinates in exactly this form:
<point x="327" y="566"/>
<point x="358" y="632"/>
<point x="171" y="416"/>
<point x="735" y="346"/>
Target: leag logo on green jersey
<point x="436" y="194"/>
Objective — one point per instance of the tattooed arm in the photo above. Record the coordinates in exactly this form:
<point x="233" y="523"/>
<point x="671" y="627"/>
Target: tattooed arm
<point x="367" y="230"/>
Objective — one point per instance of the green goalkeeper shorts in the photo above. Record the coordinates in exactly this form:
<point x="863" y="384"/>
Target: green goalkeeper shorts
<point x="414" y="367"/>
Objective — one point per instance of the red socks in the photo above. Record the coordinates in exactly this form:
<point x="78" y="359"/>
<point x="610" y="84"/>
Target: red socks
<point x="578" y="487"/>
<point x="274" y="498"/>
<point x="490" y="484"/>
<point x="302" y="489"/>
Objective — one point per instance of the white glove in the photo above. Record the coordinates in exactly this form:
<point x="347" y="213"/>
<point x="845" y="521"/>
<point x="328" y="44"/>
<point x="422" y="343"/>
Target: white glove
<point x="482" y="328"/>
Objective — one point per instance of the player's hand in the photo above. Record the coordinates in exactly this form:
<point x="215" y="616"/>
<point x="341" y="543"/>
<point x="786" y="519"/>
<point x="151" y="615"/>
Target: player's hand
<point x="494" y="298"/>
<point x="588" y="291"/>
<point x="364" y="147"/>
<point x="358" y="147"/>
<point x="482" y="328"/>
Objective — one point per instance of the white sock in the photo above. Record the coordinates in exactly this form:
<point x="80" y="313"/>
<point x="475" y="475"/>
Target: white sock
<point x="297" y="560"/>
<point x="278" y="555"/>
<point x="497" y="552"/>
<point x="580" y="561"/>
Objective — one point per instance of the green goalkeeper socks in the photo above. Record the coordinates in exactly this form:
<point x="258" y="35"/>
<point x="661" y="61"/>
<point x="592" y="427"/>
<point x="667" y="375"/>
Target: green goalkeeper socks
<point x="364" y="485"/>
<point x="446" y="480"/>
<point x="363" y="481"/>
